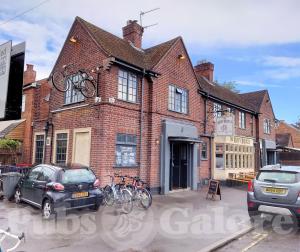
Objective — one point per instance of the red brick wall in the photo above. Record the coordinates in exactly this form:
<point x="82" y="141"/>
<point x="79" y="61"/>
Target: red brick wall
<point x="284" y="127"/>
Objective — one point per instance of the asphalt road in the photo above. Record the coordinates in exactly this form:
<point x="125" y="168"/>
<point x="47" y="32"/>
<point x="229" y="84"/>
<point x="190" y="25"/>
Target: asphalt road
<point x="267" y="236"/>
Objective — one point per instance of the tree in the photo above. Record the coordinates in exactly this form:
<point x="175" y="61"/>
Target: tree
<point x="231" y="85"/>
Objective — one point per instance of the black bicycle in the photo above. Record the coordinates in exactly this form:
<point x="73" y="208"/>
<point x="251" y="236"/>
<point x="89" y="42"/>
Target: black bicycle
<point x="80" y="80"/>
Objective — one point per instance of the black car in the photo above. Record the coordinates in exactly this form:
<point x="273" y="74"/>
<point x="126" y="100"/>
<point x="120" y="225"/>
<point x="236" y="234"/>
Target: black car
<point x="51" y="188"/>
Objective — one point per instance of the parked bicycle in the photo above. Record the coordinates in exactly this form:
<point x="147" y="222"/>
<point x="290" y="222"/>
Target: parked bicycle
<point x="80" y="80"/>
<point x="118" y="194"/>
<point x="6" y="233"/>
<point x="139" y="192"/>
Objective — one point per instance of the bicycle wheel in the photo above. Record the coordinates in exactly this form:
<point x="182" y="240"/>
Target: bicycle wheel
<point x="108" y="196"/>
<point x="60" y="82"/>
<point x="145" y="198"/>
<point x="87" y="88"/>
<point x="126" y="201"/>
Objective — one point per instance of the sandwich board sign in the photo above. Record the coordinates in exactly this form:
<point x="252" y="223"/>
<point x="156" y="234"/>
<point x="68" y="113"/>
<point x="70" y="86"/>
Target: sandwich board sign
<point x="214" y="189"/>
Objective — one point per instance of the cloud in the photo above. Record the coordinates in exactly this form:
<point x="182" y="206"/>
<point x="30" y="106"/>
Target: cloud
<point x="255" y="84"/>
<point x="203" y="24"/>
<point x="281" y="61"/>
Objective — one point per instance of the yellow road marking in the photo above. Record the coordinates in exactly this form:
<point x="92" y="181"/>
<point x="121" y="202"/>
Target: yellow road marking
<point x="259" y="237"/>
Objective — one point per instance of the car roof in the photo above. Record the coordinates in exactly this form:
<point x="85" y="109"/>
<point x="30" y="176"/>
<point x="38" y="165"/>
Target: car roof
<point x="64" y="167"/>
<point x="279" y="167"/>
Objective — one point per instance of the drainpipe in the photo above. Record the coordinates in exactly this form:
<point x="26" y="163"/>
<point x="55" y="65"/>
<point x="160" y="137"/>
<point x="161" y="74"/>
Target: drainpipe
<point x="141" y="121"/>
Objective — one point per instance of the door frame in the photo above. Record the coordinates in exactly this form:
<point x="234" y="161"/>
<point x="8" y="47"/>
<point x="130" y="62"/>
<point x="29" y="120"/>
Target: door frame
<point x="82" y="130"/>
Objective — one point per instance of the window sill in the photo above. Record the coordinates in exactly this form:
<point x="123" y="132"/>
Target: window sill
<point x="130" y="102"/>
<point x="126" y="166"/>
<point x="181" y="113"/>
<point x="204" y="159"/>
<point x="73" y="103"/>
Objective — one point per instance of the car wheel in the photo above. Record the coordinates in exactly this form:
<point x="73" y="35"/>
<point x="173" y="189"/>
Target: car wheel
<point x="47" y="210"/>
<point x="18" y="196"/>
<point x="95" y="207"/>
<point x="253" y="214"/>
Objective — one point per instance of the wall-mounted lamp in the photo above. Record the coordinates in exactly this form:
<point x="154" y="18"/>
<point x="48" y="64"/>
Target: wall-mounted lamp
<point x="74" y="39"/>
<point x="157" y="141"/>
<point x="181" y="56"/>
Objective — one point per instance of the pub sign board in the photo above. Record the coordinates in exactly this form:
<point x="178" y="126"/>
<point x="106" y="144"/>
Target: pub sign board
<point x="214" y="189"/>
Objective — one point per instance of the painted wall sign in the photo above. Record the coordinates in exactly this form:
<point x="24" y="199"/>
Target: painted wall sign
<point x="5" y="55"/>
<point x="225" y="125"/>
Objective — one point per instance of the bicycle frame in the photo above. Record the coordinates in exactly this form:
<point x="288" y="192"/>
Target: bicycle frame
<point x="7" y="234"/>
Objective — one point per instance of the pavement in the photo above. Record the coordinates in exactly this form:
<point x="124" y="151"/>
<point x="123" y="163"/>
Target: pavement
<point x="181" y="221"/>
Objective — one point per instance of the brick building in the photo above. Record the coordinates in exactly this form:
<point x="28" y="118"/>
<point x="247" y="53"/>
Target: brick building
<point x="145" y="120"/>
<point x="239" y="133"/>
<point x="150" y="112"/>
<point x="289" y="131"/>
<point x="35" y="109"/>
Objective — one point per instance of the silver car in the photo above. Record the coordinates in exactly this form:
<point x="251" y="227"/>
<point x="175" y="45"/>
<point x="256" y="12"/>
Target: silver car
<point x="276" y="189"/>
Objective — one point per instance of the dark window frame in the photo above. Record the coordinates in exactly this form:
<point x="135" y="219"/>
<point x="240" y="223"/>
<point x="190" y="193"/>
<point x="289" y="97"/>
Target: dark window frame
<point x="39" y="148"/>
<point x="60" y="145"/>
<point x="124" y="140"/>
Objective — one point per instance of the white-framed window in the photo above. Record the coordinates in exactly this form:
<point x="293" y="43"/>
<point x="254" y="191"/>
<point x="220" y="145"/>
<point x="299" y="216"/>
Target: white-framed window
<point x="178" y="99"/>
<point x="126" y="150"/>
<point x="72" y="95"/>
<point x="204" y="151"/>
<point x="217" y="110"/>
<point x="127" y="86"/>
<point x="267" y="126"/>
<point x="23" y="103"/>
<point x="242" y="120"/>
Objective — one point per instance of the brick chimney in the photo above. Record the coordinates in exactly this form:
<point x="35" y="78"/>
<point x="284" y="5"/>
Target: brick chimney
<point x="205" y="69"/>
<point x="29" y="74"/>
<point x="133" y="32"/>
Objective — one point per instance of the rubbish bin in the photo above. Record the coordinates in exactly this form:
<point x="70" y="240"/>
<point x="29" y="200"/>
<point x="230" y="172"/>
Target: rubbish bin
<point x="10" y="180"/>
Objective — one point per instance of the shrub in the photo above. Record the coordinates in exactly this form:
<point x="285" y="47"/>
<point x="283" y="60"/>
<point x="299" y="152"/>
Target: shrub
<point x="9" y="144"/>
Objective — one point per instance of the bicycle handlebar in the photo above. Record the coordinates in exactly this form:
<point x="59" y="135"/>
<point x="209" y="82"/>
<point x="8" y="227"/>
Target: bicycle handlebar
<point x="19" y="238"/>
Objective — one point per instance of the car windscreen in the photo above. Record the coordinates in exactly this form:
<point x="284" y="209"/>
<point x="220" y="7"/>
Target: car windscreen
<point x="74" y="176"/>
<point x="278" y="177"/>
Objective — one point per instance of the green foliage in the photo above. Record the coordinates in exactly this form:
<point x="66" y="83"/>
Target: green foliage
<point x="231" y="85"/>
<point x="9" y="144"/>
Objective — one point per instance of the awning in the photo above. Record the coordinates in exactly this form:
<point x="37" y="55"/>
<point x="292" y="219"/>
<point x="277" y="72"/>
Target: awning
<point x="185" y="139"/>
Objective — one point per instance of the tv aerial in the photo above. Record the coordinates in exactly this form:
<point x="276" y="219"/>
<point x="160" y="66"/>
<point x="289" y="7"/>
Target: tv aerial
<point x="142" y="13"/>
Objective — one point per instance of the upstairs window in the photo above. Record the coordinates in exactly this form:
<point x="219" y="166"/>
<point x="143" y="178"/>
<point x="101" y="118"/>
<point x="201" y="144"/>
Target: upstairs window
<point x="217" y="110"/>
<point x="178" y="99"/>
<point x="242" y="120"/>
<point x="127" y="86"/>
<point x="267" y="126"/>
<point x="72" y="95"/>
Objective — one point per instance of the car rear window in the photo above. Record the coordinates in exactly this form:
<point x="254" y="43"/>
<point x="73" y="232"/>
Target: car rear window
<point x="278" y="177"/>
<point x="77" y="176"/>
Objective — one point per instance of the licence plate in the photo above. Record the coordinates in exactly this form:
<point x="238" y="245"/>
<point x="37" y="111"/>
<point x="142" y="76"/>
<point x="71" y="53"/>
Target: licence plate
<point x="80" y="195"/>
<point x="275" y="190"/>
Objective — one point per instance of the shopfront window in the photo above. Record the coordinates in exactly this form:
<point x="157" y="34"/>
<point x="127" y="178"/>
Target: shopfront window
<point x="126" y="150"/>
<point x="219" y="156"/>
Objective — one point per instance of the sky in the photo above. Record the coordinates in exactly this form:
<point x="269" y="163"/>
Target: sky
<point x="255" y="43"/>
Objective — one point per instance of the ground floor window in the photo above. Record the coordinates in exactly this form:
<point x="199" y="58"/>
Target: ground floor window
<point x="204" y="151"/>
<point x="238" y="156"/>
<point x="39" y="148"/>
<point x="126" y="150"/>
<point x="61" y="148"/>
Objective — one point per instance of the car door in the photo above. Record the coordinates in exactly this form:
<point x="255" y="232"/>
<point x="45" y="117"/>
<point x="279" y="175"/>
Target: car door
<point x="27" y="189"/>
<point x="46" y="176"/>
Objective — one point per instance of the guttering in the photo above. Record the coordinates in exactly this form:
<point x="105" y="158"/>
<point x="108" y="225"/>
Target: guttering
<point x="135" y="68"/>
<point x="226" y="103"/>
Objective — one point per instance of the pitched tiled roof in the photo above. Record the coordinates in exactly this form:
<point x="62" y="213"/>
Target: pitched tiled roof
<point x="255" y="98"/>
<point x="222" y="93"/>
<point x="283" y="140"/>
<point x="123" y="50"/>
<point x="7" y="126"/>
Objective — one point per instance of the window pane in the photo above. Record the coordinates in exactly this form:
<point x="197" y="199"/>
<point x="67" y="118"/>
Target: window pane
<point x="39" y="149"/>
<point x="61" y="148"/>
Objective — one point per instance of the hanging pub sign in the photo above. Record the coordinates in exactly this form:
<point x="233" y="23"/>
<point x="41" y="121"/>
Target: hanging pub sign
<point x="224" y="125"/>
<point x="11" y="80"/>
<point x="214" y="189"/>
